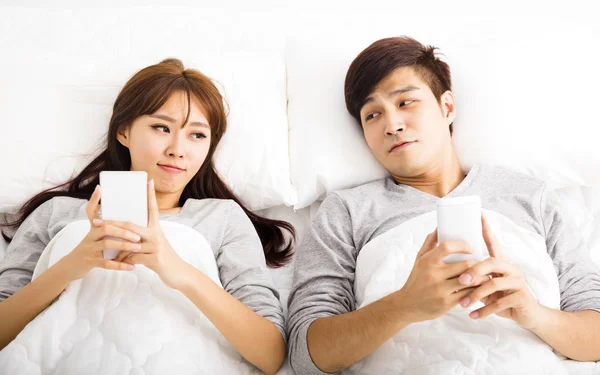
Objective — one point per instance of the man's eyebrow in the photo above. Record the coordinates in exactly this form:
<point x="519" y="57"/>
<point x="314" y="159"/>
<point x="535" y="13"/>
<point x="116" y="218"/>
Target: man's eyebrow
<point x="399" y="91"/>
<point x="170" y="119"/>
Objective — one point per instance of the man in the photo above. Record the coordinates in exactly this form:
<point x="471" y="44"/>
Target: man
<point x="400" y="93"/>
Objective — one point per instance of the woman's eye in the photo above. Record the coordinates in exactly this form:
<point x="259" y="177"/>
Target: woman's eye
<point x="405" y="103"/>
<point x="161" y="128"/>
<point x="198" y="135"/>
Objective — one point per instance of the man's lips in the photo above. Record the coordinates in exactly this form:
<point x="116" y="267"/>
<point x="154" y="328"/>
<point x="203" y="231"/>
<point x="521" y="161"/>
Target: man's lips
<point x="401" y="145"/>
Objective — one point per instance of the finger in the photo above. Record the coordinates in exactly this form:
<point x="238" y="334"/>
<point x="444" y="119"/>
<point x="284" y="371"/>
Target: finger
<point x="153" y="213"/>
<point x="113" y="265"/>
<point x="459" y="295"/>
<point x="142" y="259"/>
<point x="111" y="244"/>
<point x="489" y="266"/>
<point x="131" y="227"/>
<point x="107" y="229"/>
<point x="454" y="284"/>
<point x="497" y="284"/>
<point x="92" y="207"/>
<point x="429" y="244"/>
<point x="122" y="256"/>
<point x="453" y="270"/>
<point x="491" y="241"/>
<point x="502" y="304"/>
<point x="446" y="248"/>
<point x="492" y="298"/>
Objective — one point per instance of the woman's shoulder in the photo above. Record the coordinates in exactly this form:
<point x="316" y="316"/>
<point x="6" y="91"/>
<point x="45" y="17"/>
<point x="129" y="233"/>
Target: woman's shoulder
<point x="52" y="215"/>
<point x="223" y="213"/>
<point x="215" y="219"/>
<point x="63" y="207"/>
<point x="212" y="207"/>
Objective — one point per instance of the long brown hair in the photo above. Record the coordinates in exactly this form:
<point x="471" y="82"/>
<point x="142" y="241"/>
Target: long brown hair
<point x="144" y="94"/>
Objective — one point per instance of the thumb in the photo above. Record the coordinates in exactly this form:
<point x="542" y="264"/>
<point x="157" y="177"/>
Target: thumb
<point x="153" y="213"/>
<point x="93" y="206"/>
<point x="429" y="244"/>
<point x="491" y="241"/>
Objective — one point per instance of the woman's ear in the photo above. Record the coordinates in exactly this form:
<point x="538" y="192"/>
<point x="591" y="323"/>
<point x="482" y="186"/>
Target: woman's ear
<point x="448" y="106"/>
<point x="123" y="136"/>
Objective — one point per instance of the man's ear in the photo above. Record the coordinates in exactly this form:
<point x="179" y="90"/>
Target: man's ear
<point x="448" y="106"/>
<point x="123" y="136"/>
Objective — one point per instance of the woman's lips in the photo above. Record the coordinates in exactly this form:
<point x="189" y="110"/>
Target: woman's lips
<point x="171" y="169"/>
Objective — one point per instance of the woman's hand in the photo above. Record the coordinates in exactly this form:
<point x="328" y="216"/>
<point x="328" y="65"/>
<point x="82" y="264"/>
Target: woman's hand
<point x="156" y="252"/>
<point x="88" y="254"/>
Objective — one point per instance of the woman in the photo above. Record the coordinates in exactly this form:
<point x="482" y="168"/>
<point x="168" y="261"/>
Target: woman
<point x="166" y="121"/>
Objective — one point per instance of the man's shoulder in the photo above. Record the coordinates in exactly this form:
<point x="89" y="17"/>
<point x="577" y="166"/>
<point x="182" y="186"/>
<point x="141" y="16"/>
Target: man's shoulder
<point x="344" y="202"/>
<point x="504" y="179"/>
<point x="358" y="193"/>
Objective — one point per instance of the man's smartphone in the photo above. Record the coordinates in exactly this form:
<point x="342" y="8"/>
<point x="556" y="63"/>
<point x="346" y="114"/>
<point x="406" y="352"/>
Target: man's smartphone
<point x="460" y="219"/>
<point x="124" y="198"/>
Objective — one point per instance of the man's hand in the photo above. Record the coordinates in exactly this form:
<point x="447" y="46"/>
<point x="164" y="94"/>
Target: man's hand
<point x="433" y="287"/>
<point x="506" y="294"/>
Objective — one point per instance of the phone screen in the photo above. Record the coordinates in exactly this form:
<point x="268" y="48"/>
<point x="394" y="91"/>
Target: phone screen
<point x="124" y="198"/>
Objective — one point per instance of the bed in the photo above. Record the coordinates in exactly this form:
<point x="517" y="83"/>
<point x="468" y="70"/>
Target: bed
<point x="70" y="61"/>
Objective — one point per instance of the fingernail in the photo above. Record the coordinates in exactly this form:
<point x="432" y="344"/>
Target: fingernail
<point x="465" y="279"/>
<point x="133" y="237"/>
<point x="465" y="302"/>
<point x="96" y="188"/>
<point x="136" y="246"/>
<point x="474" y="315"/>
<point x="97" y="222"/>
<point x="152" y="183"/>
<point x="130" y="267"/>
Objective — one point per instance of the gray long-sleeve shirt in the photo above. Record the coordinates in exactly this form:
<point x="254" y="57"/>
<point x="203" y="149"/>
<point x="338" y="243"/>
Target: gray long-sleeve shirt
<point x="348" y="219"/>
<point x="228" y="230"/>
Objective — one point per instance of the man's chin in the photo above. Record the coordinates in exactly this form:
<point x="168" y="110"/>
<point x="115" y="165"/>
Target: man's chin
<point x="407" y="172"/>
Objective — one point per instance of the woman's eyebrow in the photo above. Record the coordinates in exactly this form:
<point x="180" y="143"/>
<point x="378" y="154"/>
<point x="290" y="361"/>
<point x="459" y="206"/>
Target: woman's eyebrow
<point x="170" y="119"/>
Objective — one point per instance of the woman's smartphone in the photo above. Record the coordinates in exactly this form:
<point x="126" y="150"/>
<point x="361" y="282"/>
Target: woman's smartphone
<point x="124" y="198"/>
<point x="460" y="219"/>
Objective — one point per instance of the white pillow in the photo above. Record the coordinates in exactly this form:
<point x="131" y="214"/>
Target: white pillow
<point x="327" y="148"/>
<point x="58" y="89"/>
<point x="526" y="99"/>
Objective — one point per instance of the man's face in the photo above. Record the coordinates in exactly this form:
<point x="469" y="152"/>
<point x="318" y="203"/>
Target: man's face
<point x="405" y="126"/>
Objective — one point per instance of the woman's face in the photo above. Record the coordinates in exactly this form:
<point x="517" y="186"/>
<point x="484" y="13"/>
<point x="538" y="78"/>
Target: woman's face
<point x="170" y="151"/>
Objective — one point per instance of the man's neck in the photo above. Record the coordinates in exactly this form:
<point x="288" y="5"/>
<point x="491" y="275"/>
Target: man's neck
<point x="439" y="180"/>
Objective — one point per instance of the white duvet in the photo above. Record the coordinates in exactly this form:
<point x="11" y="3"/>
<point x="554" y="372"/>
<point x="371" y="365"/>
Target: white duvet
<point x="453" y="343"/>
<point x="41" y="349"/>
<point x="113" y="322"/>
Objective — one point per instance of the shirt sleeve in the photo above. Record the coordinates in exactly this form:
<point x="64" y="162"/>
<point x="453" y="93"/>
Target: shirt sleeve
<point x="243" y="270"/>
<point x="24" y="251"/>
<point x="323" y="278"/>
<point x="578" y="275"/>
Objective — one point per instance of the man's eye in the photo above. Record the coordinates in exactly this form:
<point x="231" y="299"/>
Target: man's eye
<point x="371" y="116"/>
<point x="405" y="103"/>
<point x="161" y="128"/>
